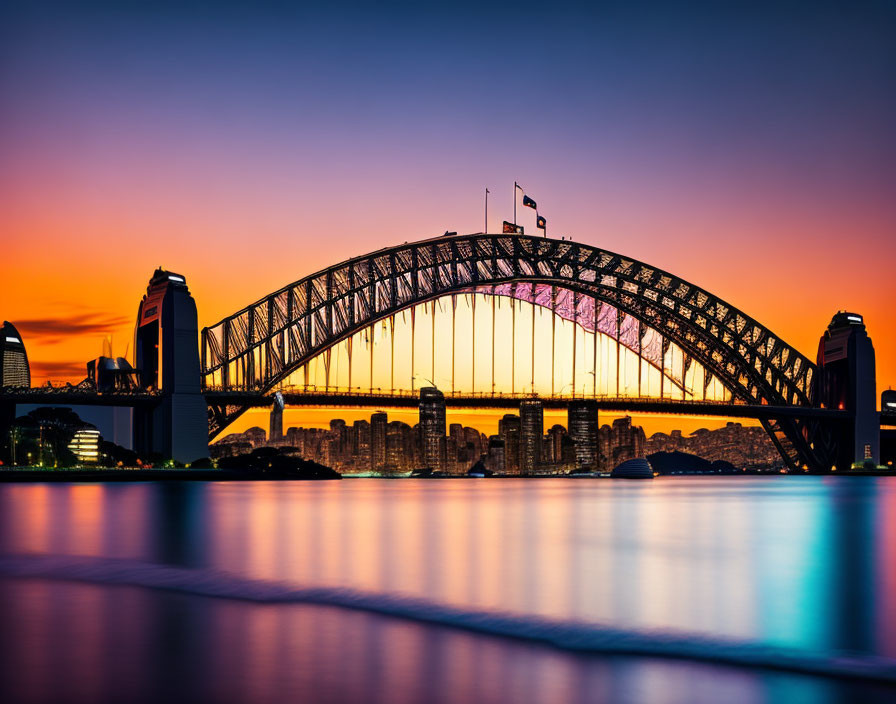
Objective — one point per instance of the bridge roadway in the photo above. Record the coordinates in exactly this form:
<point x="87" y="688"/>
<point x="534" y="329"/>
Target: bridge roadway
<point x="75" y="396"/>
<point x="324" y="399"/>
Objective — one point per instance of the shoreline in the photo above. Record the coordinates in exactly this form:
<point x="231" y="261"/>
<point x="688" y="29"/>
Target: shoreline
<point x="227" y="475"/>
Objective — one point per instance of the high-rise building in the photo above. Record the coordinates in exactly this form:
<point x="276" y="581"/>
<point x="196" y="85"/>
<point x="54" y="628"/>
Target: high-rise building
<point x="276" y="430"/>
<point x="339" y="445"/>
<point x="845" y="380"/>
<point x="509" y="430"/>
<point x="495" y="459"/>
<point x="623" y="441"/>
<point x="361" y="443"/>
<point x="432" y="428"/>
<point x="582" y="422"/>
<point x="14" y="369"/>
<point x="399" y="446"/>
<point x="552" y="451"/>
<point x="531" y="434"/>
<point x="378" y="424"/>
<point x="475" y="441"/>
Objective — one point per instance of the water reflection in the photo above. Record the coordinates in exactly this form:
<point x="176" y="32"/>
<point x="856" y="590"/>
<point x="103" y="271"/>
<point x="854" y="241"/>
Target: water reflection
<point x="194" y="649"/>
<point x="802" y="561"/>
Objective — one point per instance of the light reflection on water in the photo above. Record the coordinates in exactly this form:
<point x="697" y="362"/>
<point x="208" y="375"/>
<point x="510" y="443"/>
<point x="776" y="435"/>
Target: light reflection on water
<point x="799" y="561"/>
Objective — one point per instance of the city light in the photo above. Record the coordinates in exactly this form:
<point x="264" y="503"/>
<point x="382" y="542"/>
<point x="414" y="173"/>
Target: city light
<point x="85" y="445"/>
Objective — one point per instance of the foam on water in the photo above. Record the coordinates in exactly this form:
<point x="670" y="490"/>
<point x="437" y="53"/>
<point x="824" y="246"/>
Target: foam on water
<point x="566" y="635"/>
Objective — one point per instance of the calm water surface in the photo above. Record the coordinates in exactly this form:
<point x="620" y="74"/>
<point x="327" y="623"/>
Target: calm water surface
<point x="807" y="563"/>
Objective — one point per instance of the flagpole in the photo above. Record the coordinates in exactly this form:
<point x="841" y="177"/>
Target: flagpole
<point x="515" y="186"/>
<point x="485" y="229"/>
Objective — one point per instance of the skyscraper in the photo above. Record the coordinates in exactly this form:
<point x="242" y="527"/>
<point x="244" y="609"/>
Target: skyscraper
<point x="378" y="424"/>
<point x="276" y="430"/>
<point x="552" y="451"/>
<point x="399" y="446"/>
<point x="14" y="369"/>
<point x="509" y="430"/>
<point x="582" y="422"/>
<point x="432" y="428"/>
<point x="531" y="434"/>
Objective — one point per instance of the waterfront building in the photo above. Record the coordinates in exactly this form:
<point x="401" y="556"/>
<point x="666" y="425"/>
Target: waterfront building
<point x="14" y="368"/>
<point x="361" y="443"/>
<point x="582" y="422"/>
<point x="531" y="434"/>
<point x="85" y="445"/>
<point x="378" y="423"/>
<point x="553" y="446"/>
<point x="622" y="441"/>
<point x="338" y="444"/>
<point x="276" y="428"/>
<point x="475" y="440"/>
<point x="399" y="447"/>
<point x="432" y="428"/>
<point x="509" y="430"/>
<point x="495" y="456"/>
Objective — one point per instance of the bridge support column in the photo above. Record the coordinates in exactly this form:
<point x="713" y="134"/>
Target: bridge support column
<point x="846" y="380"/>
<point x="176" y="428"/>
<point x="7" y="418"/>
<point x="167" y="355"/>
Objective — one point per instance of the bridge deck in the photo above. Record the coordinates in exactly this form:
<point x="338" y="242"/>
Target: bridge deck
<point x="43" y="396"/>
<point x="508" y="401"/>
<point x="323" y="399"/>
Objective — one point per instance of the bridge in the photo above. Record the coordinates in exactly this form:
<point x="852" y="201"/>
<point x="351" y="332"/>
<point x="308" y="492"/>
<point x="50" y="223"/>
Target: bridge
<point x="335" y="338"/>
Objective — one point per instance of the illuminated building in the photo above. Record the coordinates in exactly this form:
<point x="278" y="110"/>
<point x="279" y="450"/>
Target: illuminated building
<point x="399" y="446"/>
<point x="432" y="428"/>
<point x="378" y="423"/>
<point x="845" y="380"/>
<point x="276" y="427"/>
<point x="531" y="434"/>
<point x="495" y="458"/>
<point x="85" y="445"/>
<point x="582" y="422"/>
<point x="14" y="369"/>
<point x="509" y="430"/>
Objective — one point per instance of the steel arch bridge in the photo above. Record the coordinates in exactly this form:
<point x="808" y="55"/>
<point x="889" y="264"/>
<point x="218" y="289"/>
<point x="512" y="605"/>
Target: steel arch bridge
<point x="258" y="347"/>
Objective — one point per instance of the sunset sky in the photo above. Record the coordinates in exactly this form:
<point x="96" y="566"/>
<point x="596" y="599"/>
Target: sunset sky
<point x="751" y="150"/>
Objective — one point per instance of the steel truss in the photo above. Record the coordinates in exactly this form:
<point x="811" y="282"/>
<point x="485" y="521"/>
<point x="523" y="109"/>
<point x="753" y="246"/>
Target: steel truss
<point x="261" y="345"/>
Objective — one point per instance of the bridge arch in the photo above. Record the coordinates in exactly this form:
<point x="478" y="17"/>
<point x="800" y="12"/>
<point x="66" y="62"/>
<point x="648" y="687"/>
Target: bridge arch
<point x="262" y="344"/>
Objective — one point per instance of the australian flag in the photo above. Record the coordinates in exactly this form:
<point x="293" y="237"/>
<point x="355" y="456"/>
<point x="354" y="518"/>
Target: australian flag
<point x="529" y="203"/>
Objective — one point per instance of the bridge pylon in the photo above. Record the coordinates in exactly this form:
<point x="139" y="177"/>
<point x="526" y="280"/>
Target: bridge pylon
<point x="167" y="359"/>
<point x="846" y="381"/>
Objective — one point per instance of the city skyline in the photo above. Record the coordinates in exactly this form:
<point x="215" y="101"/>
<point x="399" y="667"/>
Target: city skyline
<point x="761" y="172"/>
<point x="523" y="444"/>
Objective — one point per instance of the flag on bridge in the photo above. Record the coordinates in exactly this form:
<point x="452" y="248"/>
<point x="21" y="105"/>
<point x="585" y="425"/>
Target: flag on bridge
<point x="542" y="224"/>
<point x="511" y="229"/>
<point x="528" y="202"/>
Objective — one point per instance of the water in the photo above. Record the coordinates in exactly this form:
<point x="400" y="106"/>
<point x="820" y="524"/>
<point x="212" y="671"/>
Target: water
<point x="681" y="589"/>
